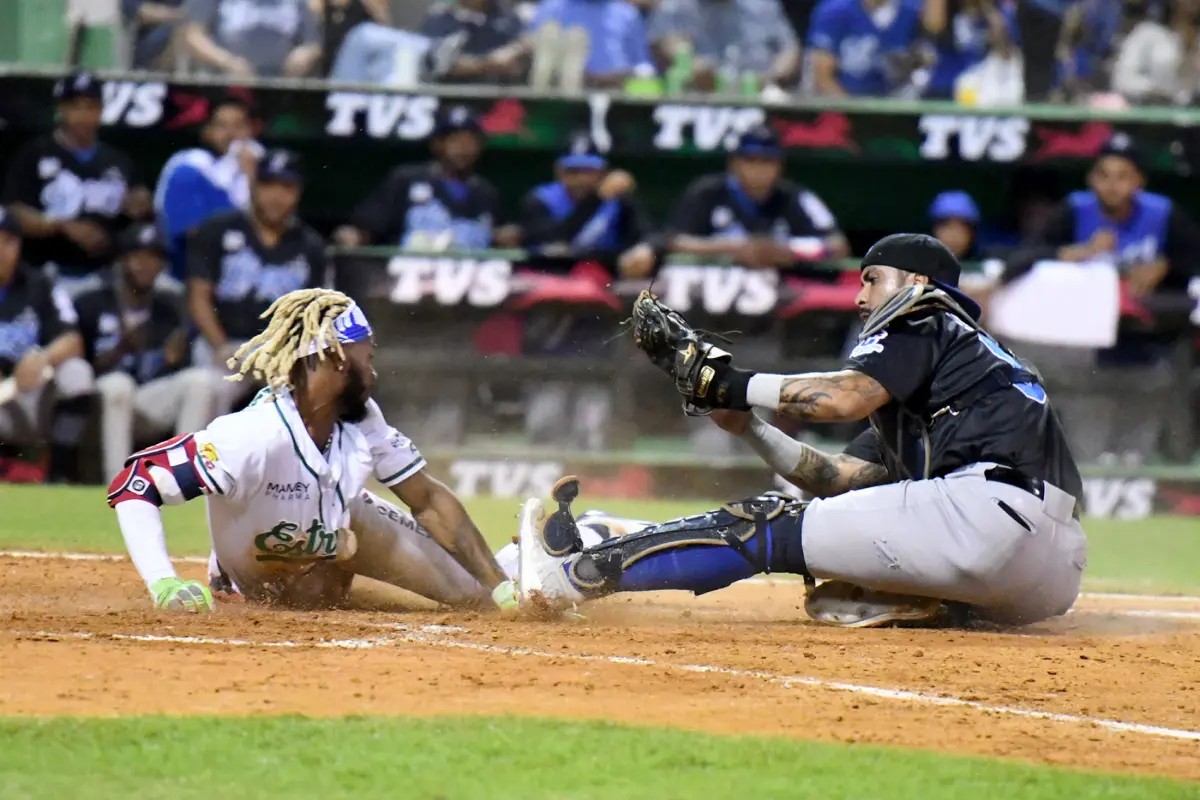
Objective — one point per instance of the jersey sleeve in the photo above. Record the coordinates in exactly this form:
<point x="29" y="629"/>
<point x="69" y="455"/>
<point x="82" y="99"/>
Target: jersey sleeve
<point x="55" y="312"/>
<point x="222" y="459"/>
<point x="22" y="184"/>
<point x="823" y="30"/>
<point x="693" y="212"/>
<point x="395" y="457"/>
<point x="865" y="447"/>
<point x="204" y="253"/>
<point x="900" y="358"/>
<point x="811" y="217"/>
<point x="382" y="213"/>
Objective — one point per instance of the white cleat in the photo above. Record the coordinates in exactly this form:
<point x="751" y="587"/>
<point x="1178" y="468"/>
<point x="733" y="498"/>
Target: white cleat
<point x="541" y="577"/>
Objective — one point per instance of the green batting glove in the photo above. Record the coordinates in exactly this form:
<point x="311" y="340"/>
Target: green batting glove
<point x="174" y="594"/>
<point x="505" y="595"/>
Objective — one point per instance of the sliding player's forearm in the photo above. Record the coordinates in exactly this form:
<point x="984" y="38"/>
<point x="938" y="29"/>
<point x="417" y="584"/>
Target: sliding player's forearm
<point x="451" y="527"/>
<point x="142" y="528"/>
<point x="818" y="473"/>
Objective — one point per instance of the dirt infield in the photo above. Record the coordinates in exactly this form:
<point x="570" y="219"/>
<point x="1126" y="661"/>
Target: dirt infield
<point x="1113" y="686"/>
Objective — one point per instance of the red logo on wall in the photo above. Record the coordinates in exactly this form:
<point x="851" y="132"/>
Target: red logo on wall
<point x="506" y="118"/>
<point x="192" y="109"/>
<point x="1084" y="143"/>
<point x="829" y="131"/>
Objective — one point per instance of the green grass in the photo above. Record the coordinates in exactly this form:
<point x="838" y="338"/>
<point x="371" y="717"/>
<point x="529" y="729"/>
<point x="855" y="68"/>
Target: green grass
<point x="1157" y="555"/>
<point x="184" y="758"/>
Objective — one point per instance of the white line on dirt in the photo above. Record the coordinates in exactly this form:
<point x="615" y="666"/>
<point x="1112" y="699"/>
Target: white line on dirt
<point x="37" y="554"/>
<point x="435" y="635"/>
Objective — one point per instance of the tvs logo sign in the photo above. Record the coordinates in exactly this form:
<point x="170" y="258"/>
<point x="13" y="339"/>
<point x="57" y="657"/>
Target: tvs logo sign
<point x="380" y="116"/>
<point x="138" y="105"/>
<point x="505" y="478"/>
<point x="973" y="138"/>
<point x="711" y="127"/>
<point x="1119" y="498"/>
<point x="450" y="281"/>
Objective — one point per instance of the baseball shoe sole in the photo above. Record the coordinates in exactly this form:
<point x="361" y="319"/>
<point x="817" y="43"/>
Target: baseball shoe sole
<point x="844" y="605"/>
<point x="541" y="575"/>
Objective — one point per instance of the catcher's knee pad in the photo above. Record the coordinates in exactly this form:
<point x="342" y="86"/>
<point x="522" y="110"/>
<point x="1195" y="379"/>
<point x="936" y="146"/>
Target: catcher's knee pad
<point x="699" y="553"/>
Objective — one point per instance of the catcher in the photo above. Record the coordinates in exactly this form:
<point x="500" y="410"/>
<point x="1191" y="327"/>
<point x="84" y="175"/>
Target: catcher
<point x="288" y="515"/>
<point x="961" y="497"/>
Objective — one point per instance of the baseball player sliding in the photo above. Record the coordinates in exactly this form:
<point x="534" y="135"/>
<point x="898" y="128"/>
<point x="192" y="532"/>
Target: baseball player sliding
<point x="288" y="515"/>
<point x="961" y="498"/>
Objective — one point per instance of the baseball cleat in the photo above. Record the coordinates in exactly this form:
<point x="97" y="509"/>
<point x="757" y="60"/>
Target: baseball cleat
<point x="845" y="605"/>
<point x="560" y="532"/>
<point x="541" y="576"/>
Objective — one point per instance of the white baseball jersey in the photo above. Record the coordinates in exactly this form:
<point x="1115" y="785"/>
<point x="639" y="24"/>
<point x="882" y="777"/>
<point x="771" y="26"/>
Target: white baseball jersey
<point x="275" y="500"/>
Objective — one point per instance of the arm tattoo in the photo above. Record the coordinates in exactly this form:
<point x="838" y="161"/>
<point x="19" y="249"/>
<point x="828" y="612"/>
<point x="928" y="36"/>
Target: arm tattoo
<point x="831" y="396"/>
<point x="824" y="475"/>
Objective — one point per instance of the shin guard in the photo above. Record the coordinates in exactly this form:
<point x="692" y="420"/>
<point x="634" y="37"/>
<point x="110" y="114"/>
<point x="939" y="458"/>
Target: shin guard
<point x="697" y="554"/>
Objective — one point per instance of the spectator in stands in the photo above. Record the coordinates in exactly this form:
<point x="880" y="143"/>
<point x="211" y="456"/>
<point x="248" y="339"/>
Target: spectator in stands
<point x="491" y="31"/>
<point x="1088" y="37"/>
<point x="41" y="359"/>
<point x="199" y="182"/>
<point x="1040" y="25"/>
<point x="593" y="43"/>
<point x="965" y="32"/>
<point x="373" y="52"/>
<point x="955" y="218"/>
<point x="135" y="336"/>
<point x="729" y="40"/>
<point x="153" y="24"/>
<point x="863" y="47"/>
<point x="248" y="38"/>
<point x="441" y="205"/>
<point x="240" y="262"/>
<point x="73" y="192"/>
<point x="1150" y="57"/>
<point x="753" y="214"/>
<point x="1154" y="245"/>
<point x="338" y="17"/>
<point x="588" y="213"/>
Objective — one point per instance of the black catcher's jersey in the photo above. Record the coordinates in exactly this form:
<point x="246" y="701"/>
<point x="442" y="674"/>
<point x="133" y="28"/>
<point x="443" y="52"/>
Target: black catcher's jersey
<point x="32" y="314"/>
<point x="65" y="185"/>
<point x="100" y="324"/>
<point x="421" y="201"/>
<point x="715" y="206"/>
<point x="247" y="276"/>
<point x="933" y="364"/>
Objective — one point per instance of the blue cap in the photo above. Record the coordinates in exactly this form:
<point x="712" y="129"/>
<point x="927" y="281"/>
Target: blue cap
<point x="454" y="119"/>
<point x="281" y="166"/>
<point x="582" y="154"/>
<point x="81" y="84"/>
<point x="761" y="141"/>
<point x="954" y="205"/>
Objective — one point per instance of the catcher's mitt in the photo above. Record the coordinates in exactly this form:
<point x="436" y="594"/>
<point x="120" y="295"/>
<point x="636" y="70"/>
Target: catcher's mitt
<point x="682" y="352"/>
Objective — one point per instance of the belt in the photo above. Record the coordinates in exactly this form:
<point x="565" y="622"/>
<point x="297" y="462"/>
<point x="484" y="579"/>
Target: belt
<point x="1019" y="480"/>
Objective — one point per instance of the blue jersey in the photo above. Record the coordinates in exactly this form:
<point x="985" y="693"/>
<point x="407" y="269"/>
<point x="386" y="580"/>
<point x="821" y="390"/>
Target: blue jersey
<point x="195" y="186"/>
<point x="861" y="40"/>
<point x="963" y="46"/>
<point x="1140" y="237"/>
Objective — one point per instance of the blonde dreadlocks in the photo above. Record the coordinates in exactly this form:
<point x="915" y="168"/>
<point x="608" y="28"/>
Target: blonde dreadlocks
<point x="296" y="320"/>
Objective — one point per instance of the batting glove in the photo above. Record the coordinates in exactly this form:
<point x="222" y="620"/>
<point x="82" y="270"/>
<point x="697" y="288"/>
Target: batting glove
<point x="505" y="595"/>
<point x="174" y="594"/>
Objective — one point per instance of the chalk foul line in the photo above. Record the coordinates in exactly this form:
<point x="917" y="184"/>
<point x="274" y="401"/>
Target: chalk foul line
<point x="763" y="580"/>
<point x="439" y="636"/>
